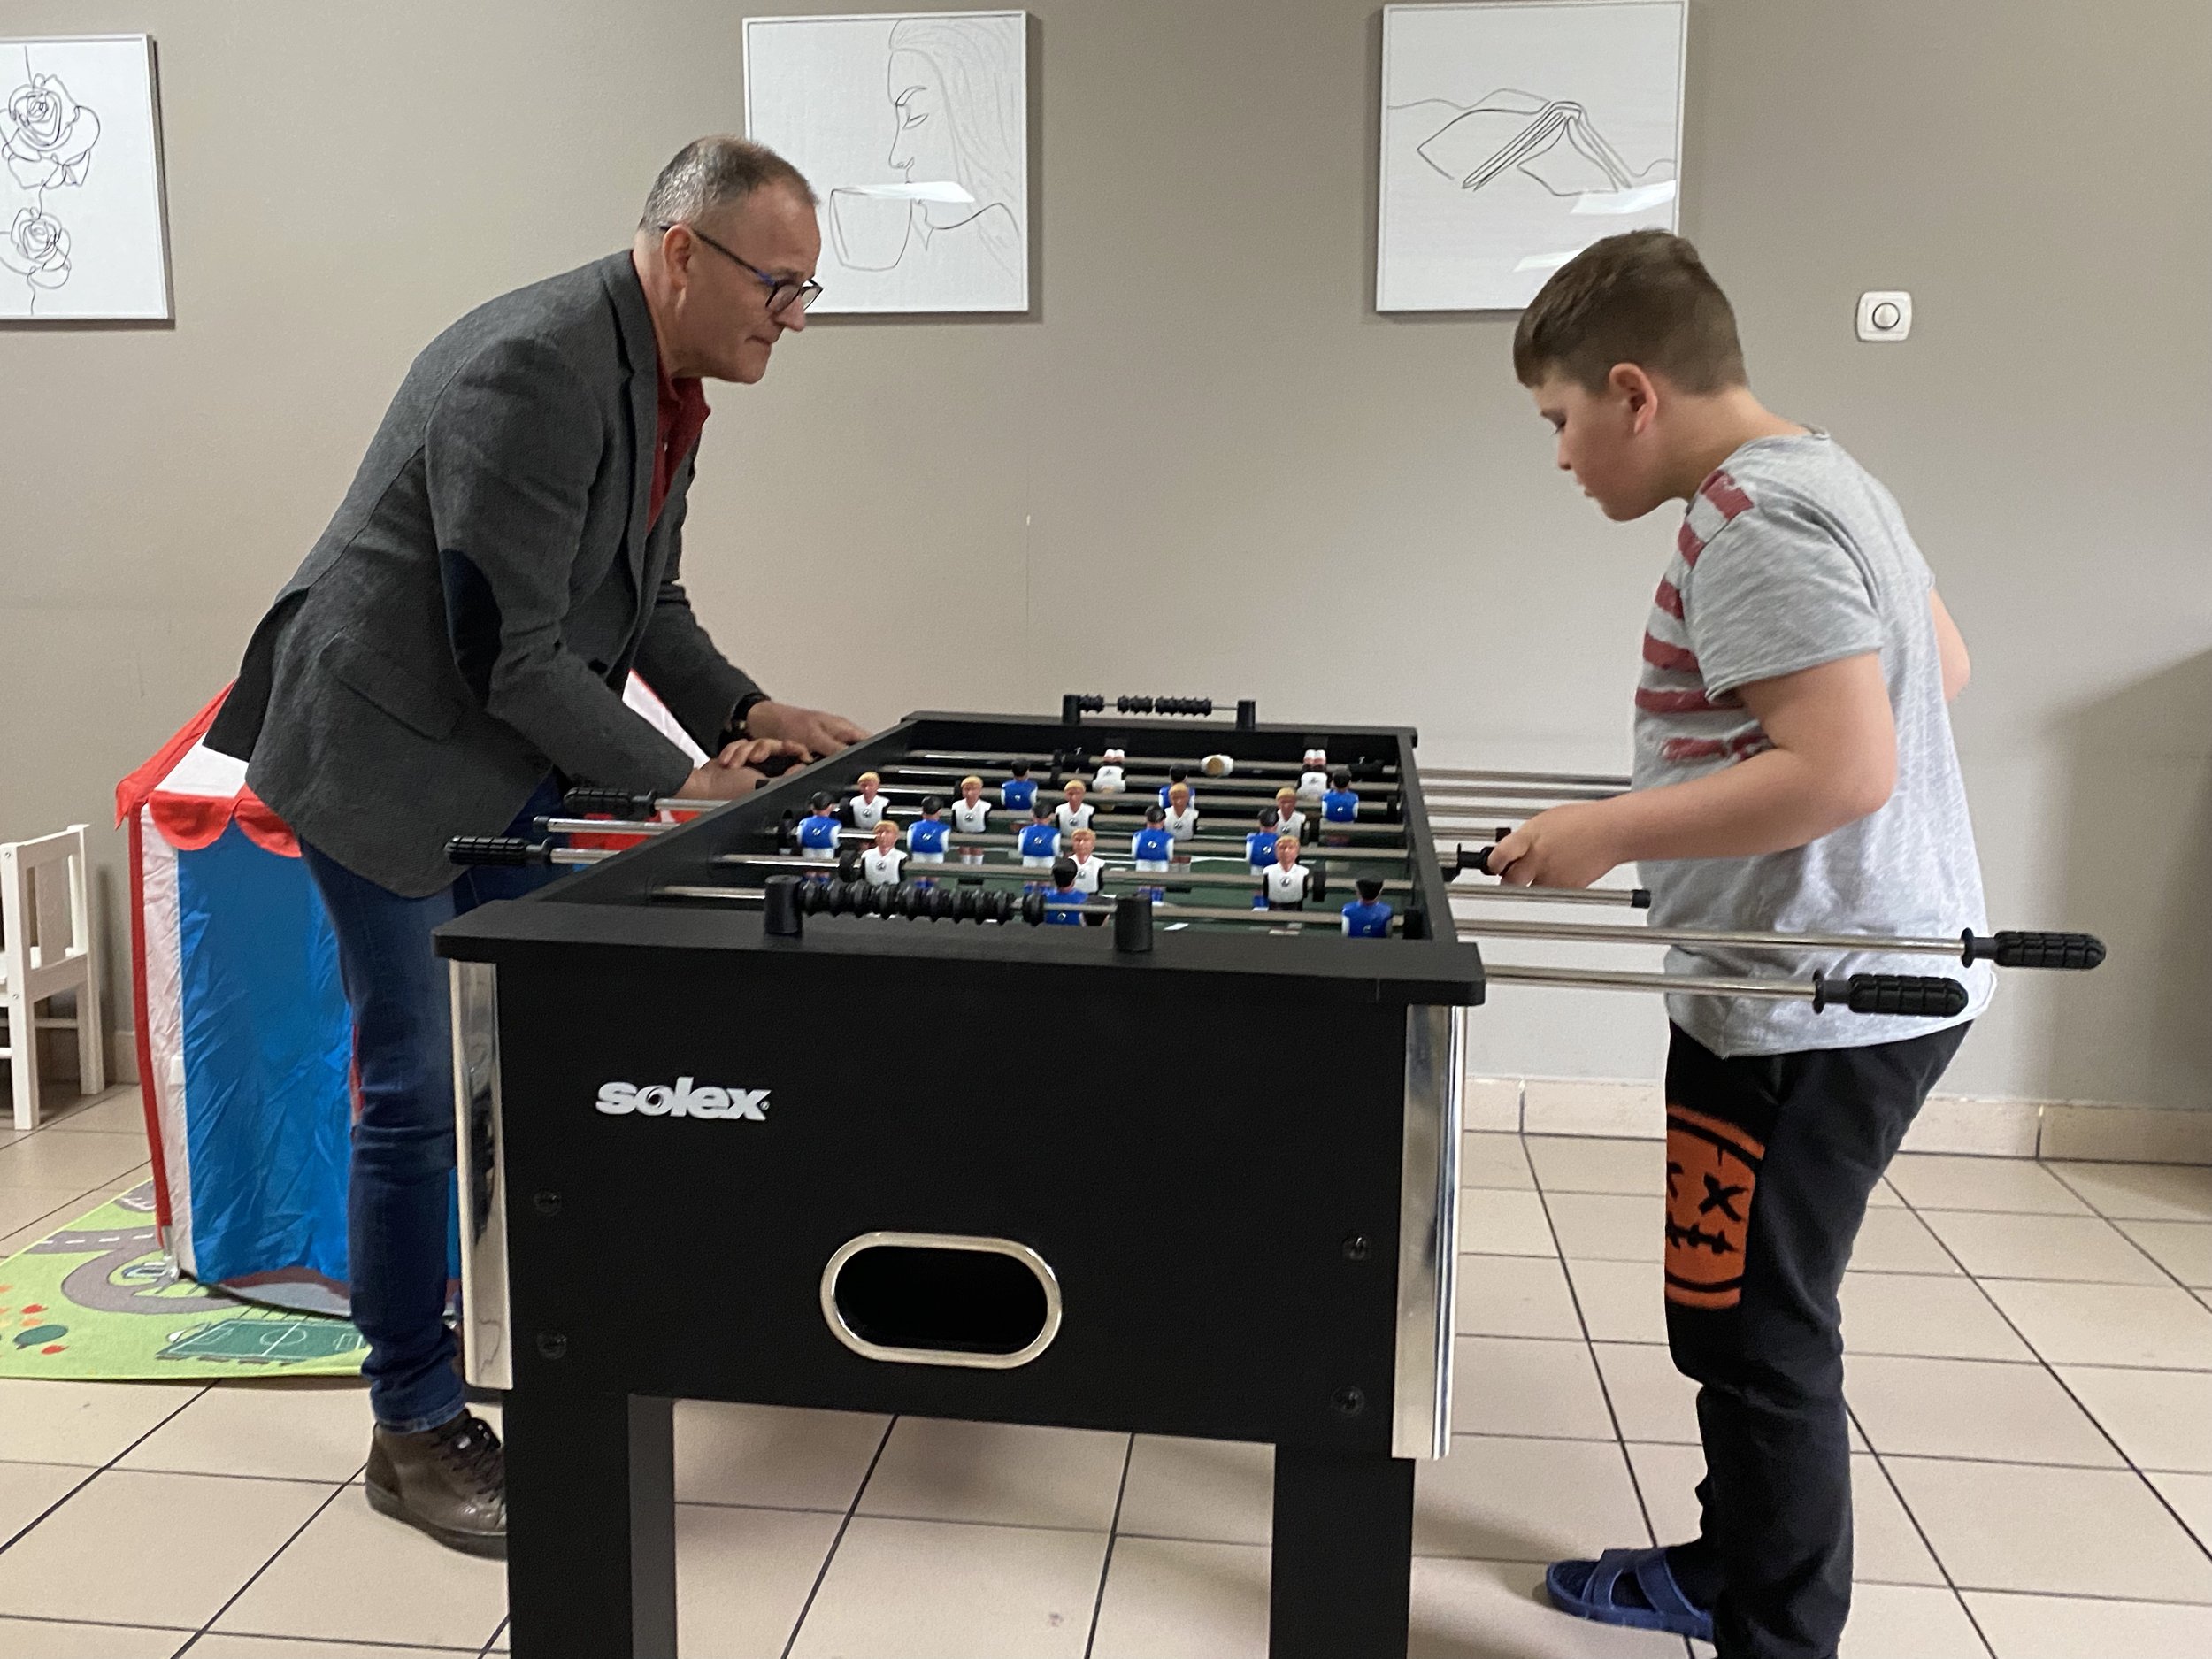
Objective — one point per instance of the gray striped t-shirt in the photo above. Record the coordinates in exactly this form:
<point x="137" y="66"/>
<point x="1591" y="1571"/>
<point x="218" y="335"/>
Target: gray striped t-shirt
<point x="1791" y="556"/>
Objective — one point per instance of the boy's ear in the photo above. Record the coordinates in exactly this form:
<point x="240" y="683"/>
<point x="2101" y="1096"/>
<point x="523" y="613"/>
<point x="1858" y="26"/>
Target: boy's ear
<point x="1637" y="392"/>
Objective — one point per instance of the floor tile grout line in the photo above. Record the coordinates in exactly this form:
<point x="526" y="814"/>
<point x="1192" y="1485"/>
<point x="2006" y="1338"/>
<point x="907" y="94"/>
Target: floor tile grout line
<point x="2114" y="1223"/>
<point x="2204" y="1547"/>
<point x="254" y="1578"/>
<point x="111" y="1466"/>
<point x="1113" y="1536"/>
<point x="1921" y="1533"/>
<point x="830" y="1554"/>
<point x="1589" y="1347"/>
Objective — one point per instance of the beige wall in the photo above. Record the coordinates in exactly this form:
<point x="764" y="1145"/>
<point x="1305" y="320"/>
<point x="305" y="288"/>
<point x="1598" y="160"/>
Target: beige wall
<point x="1204" y="452"/>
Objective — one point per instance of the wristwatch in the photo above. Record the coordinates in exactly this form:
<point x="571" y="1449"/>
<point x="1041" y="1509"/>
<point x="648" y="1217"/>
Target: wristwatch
<point x="733" y="728"/>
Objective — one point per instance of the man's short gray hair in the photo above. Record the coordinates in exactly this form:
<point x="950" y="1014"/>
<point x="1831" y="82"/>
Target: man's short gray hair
<point x="714" y="172"/>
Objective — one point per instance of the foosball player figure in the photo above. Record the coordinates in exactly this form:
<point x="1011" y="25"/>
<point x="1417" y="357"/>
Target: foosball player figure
<point x="1074" y="813"/>
<point x="1368" y="916"/>
<point x="1040" y="840"/>
<point x="1090" y="869"/>
<point x="818" y="832"/>
<point x="880" y="865"/>
<point x="1175" y="775"/>
<point x="1218" y="766"/>
<point x="1018" y="793"/>
<point x="1259" y="846"/>
<point x="1313" y="782"/>
<point x="1152" y="846"/>
<point x="868" y="806"/>
<point x="927" y="836"/>
<point x="1288" y="882"/>
<point x="1181" y="817"/>
<point x="1111" y="778"/>
<point x="1339" y="804"/>
<point x="1288" y="819"/>
<point x="1063" y="903"/>
<point x="972" y="813"/>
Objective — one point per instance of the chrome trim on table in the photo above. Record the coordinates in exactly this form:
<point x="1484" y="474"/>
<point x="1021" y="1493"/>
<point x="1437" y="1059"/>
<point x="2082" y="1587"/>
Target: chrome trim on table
<point x="1428" y="1235"/>
<point x="488" y="1354"/>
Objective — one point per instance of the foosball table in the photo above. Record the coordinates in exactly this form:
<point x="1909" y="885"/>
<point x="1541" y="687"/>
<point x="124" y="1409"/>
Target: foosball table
<point x="1155" y="1144"/>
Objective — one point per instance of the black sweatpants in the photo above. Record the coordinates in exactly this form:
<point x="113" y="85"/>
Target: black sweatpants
<point x="1770" y="1162"/>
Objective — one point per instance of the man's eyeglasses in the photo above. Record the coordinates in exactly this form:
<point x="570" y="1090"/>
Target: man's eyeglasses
<point x="782" y="292"/>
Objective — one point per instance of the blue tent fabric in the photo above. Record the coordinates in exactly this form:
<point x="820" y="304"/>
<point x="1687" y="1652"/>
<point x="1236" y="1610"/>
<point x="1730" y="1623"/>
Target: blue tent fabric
<point x="267" y="1062"/>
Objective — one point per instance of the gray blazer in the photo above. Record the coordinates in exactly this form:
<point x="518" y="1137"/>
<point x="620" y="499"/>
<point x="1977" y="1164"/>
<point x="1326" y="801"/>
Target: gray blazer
<point x="466" y="625"/>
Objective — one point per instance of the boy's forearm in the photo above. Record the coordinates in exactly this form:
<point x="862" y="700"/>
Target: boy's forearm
<point x="1767" y="804"/>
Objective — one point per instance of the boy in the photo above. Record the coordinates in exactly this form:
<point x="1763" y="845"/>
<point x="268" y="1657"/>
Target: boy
<point x="1794" y="770"/>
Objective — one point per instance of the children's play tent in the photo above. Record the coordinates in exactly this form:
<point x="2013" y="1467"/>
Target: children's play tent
<point x="244" y="1043"/>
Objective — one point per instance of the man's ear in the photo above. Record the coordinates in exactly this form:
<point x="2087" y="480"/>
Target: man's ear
<point x="1638" y="393"/>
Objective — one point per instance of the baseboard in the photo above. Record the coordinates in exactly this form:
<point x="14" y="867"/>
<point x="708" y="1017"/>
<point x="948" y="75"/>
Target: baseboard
<point x="2092" y="1131"/>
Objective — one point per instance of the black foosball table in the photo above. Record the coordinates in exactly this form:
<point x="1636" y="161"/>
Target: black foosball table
<point x="1165" y="1144"/>
<point x="1190" y="1172"/>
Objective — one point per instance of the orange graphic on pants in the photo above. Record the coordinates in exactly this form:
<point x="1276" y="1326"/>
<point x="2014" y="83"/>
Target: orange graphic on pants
<point x="1712" y="1172"/>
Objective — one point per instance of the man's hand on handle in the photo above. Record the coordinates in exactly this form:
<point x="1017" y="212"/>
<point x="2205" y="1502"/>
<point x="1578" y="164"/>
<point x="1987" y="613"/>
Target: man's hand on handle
<point x="736" y="770"/>
<point x="816" y="732"/>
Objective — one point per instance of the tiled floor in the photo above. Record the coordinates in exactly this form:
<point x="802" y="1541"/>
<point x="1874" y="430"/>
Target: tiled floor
<point x="2031" y="1378"/>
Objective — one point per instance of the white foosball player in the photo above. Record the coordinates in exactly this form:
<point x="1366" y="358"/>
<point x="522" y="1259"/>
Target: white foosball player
<point x="869" y="805"/>
<point x="1313" y="782"/>
<point x="1181" y="816"/>
<point x="1074" y="813"/>
<point x="880" y="865"/>
<point x="1090" y="869"/>
<point x="1288" y="883"/>
<point x="1288" y="819"/>
<point x="1111" y="778"/>
<point x="970" y="813"/>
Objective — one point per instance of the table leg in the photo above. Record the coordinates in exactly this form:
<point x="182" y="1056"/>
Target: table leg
<point x="591" y="1525"/>
<point x="1342" y="1574"/>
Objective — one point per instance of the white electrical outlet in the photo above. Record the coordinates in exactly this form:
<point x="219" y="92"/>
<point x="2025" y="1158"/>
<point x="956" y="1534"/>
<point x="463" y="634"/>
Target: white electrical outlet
<point x="1884" y="314"/>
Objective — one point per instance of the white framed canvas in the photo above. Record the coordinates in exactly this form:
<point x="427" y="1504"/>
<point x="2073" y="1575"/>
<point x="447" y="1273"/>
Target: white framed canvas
<point x="81" y="232"/>
<point x="914" y="130"/>
<point x="1514" y="135"/>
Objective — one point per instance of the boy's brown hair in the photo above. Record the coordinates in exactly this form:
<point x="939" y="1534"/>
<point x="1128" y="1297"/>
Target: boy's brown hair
<point x="1642" y="298"/>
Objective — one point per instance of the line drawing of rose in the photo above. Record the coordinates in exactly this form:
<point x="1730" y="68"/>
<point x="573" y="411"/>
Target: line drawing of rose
<point x="47" y="135"/>
<point x="37" y="249"/>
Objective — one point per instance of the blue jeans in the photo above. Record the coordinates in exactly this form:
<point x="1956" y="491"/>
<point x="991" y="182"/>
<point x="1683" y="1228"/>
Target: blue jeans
<point x="400" y="1200"/>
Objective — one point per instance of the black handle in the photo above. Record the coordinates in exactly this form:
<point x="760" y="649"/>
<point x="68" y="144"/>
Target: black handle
<point x="2077" y="952"/>
<point x="1908" y="994"/>
<point x="497" y="849"/>
<point x="909" y="901"/>
<point x="1075" y="705"/>
<point x="616" y="803"/>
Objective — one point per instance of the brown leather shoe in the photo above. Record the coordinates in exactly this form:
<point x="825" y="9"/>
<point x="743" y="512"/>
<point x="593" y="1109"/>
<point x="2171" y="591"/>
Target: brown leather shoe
<point x="450" y="1481"/>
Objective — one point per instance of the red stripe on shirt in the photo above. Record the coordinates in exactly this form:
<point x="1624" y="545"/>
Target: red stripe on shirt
<point x="1725" y="494"/>
<point x="1669" y="599"/>
<point x="1673" y="659"/>
<point x="1688" y="543"/>
<point x="1653" y="701"/>
<point x="1751" y="742"/>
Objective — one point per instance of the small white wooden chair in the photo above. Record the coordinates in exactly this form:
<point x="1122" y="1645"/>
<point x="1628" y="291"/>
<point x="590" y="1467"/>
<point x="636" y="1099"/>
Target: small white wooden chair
<point x="48" y="945"/>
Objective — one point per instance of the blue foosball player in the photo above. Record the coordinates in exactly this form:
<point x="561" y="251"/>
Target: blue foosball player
<point x="928" y="836"/>
<point x="1152" y="846"/>
<point x="1339" y="804"/>
<point x="1040" y="842"/>
<point x="817" y="832"/>
<point x="1063" y="904"/>
<point x="1018" y="793"/>
<point x="1368" y="916"/>
<point x="1259" y="846"/>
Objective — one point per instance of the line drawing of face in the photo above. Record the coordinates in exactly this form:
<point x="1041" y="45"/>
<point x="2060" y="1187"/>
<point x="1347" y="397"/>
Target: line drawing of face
<point x="954" y="121"/>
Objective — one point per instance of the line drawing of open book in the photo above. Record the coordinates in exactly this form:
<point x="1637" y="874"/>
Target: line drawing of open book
<point x="1552" y="141"/>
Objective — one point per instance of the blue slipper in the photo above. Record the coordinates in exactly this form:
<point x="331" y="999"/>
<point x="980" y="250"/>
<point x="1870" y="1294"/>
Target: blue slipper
<point x="1592" y="1590"/>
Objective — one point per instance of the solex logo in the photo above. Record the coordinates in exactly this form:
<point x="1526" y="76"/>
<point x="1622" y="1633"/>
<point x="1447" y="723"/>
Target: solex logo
<point x="683" y="1098"/>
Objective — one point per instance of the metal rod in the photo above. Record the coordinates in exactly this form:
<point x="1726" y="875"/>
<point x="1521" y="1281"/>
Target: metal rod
<point x="1484" y="774"/>
<point x="604" y="826"/>
<point x="1624" y="897"/>
<point x="749" y="896"/>
<point x="974" y="757"/>
<point x="1120" y="872"/>
<point x="1447" y="794"/>
<point x="1602" y="933"/>
<point x="1675" y="985"/>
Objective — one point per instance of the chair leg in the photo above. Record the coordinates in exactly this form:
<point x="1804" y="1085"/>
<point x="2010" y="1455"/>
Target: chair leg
<point x="23" y="1061"/>
<point x="92" y="1058"/>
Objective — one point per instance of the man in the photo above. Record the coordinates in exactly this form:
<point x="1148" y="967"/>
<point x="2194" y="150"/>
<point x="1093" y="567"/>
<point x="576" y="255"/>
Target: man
<point x="451" y="655"/>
